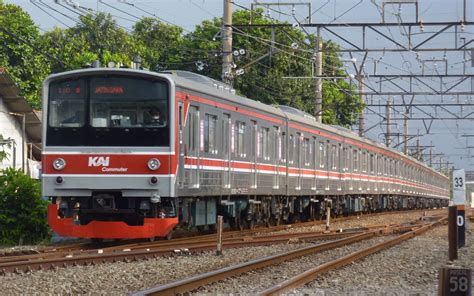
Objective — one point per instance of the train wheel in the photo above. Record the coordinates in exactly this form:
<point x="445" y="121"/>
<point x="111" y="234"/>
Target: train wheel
<point x="201" y="229"/>
<point x="169" y="235"/>
<point x="151" y="239"/>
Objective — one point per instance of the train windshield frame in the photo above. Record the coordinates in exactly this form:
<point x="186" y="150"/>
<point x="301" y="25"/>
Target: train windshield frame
<point x="108" y="110"/>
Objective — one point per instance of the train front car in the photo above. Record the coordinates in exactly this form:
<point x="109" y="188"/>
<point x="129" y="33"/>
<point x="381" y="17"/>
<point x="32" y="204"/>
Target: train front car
<point x="108" y="153"/>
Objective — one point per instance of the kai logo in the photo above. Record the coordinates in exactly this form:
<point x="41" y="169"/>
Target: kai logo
<point x="95" y="161"/>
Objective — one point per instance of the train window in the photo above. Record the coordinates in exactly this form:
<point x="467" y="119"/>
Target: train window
<point x="334" y="157"/>
<point x="226" y="126"/>
<point x="355" y="157"/>
<point x="240" y="128"/>
<point x="277" y="142"/>
<point x="364" y="161"/>
<point x="322" y="154"/>
<point x="254" y="141"/>
<point x="308" y="151"/>
<point x="67" y="104"/>
<point x="372" y="163"/>
<point x="291" y="149"/>
<point x="282" y="147"/>
<point x="193" y="129"/>
<point x="210" y="134"/>
<point x="345" y="159"/>
<point x="263" y="143"/>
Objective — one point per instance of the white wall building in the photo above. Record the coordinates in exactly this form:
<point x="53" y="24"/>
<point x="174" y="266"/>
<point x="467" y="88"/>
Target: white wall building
<point x="20" y="128"/>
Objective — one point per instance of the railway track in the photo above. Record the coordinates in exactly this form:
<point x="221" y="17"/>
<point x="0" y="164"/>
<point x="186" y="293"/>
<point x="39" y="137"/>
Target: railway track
<point x="192" y="283"/>
<point x="73" y="255"/>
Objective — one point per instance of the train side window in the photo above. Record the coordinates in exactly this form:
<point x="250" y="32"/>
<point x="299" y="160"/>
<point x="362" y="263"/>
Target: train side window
<point x="364" y="162"/>
<point x="291" y="149"/>
<point x="264" y="141"/>
<point x="282" y="147"/>
<point x="240" y="129"/>
<point x="226" y="126"/>
<point x="372" y="164"/>
<point x="254" y="141"/>
<point x="277" y="142"/>
<point x="333" y="157"/>
<point x="308" y="148"/>
<point x="355" y="157"/>
<point x="322" y="154"/>
<point x="210" y="134"/>
<point x="193" y="129"/>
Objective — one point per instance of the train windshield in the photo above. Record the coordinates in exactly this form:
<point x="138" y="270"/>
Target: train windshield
<point x="108" y="111"/>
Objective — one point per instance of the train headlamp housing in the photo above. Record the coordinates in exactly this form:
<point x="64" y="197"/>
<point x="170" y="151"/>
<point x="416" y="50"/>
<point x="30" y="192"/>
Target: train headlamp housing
<point x="59" y="164"/>
<point x="154" y="164"/>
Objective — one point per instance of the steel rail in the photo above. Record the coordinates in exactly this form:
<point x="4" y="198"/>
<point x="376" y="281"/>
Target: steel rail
<point x="43" y="261"/>
<point x="194" y="282"/>
<point x="313" y="273"/>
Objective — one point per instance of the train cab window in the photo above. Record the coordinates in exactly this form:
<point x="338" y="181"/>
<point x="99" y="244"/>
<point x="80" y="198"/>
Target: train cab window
<point x="67" y="104"/>
<point x="240" y="130"/>
<point x="210" y="134"/>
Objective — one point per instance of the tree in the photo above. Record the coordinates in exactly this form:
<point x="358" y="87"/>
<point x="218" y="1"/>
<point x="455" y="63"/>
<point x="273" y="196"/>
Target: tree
<point x="161" y="44"/>
<point x="22" y="51"/>
<point x="22" y="211"/>
<point x="95" y="37"/>
<point x="265" y="65"/>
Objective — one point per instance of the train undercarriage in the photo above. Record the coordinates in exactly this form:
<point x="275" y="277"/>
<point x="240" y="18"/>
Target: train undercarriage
<point x="242" y="212"/>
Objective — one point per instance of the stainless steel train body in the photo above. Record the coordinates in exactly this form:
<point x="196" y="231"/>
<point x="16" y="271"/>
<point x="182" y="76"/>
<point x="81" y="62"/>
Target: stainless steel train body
<point x="218" y="153"/>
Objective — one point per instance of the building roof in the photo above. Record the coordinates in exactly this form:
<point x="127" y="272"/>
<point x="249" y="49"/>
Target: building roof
<point x="14" y="102"/>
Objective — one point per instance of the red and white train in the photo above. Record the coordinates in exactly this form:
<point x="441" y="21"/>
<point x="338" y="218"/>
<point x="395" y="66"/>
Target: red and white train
<point x="132" y="154"/>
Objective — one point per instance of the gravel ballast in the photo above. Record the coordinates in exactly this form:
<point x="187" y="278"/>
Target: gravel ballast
<point x="123" y="278"/>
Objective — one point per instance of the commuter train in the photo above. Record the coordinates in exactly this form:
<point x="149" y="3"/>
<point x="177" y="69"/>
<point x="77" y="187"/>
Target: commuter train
<point x="130" y="153"/>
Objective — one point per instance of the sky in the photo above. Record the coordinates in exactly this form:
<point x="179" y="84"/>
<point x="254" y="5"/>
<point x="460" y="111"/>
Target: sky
<point x="447" y="136"/>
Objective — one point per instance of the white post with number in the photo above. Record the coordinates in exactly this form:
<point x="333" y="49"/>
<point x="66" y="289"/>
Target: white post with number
<point x="459" y="187"/>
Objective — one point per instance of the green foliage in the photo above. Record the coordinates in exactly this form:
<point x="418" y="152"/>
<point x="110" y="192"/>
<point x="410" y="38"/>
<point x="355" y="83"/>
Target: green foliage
<point x="21" y="51"/>
<point x="162" y="46"/>
<point x="262" y="80"/>
<point x="22" y="211"/>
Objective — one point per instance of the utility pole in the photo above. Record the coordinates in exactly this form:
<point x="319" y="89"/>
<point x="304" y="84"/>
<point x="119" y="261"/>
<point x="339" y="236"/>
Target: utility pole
<point x="227" y="76"/>
<point x="319" y="81"/>
<point x="388" y="139"/>
<point x="362" y="98"/>
<point x="431" y="156"/>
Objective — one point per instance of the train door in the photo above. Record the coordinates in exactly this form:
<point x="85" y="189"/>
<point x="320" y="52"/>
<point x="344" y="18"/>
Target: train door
<point x="226" y="150"/>
<point x="181" y="146"/>
<point x="194" y="147"/>
<point x="254" y="147"/>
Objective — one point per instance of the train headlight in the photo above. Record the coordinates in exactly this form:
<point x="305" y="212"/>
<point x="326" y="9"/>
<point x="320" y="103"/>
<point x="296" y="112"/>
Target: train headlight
<point x="59" y="164"/>
<point x="154" y="164"/>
